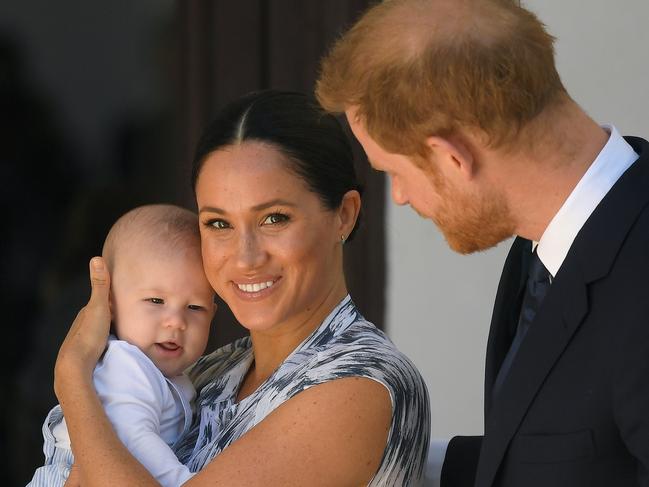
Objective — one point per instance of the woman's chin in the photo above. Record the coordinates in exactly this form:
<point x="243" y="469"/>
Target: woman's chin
<point x="254" y="323"/>
<point x="253" y="315"/>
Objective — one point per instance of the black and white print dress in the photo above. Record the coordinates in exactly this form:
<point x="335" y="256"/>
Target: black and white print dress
<point x="345" y="345"/>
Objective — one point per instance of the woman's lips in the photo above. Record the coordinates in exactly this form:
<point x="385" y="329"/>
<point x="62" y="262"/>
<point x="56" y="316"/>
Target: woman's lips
<point x="256" y="290"/>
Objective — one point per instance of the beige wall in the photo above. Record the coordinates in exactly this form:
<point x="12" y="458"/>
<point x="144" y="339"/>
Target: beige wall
<point x="439" y="303"/>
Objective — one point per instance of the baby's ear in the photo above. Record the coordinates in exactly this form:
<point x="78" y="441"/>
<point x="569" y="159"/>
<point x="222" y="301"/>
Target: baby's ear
<point x="113" y="331"/>
<point x="110" y="304"/>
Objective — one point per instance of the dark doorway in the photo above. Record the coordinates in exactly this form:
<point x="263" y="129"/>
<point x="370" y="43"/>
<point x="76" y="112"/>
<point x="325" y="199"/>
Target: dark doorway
<point x="102" y="105"/>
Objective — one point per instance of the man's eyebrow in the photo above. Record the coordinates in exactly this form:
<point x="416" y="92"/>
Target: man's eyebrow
<point x="259" y="207"/>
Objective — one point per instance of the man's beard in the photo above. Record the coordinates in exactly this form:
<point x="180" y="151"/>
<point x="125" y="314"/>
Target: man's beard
<point x="471" y="223"/>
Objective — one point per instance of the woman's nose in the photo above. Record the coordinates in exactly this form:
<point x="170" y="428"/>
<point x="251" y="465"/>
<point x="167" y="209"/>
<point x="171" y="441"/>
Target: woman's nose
<point x="250" y="253"/>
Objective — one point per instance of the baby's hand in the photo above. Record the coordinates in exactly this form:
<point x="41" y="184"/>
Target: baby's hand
<point x="86" y="340"/>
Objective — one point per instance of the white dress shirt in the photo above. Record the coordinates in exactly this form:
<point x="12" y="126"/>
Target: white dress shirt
<point x="613" y="160"/>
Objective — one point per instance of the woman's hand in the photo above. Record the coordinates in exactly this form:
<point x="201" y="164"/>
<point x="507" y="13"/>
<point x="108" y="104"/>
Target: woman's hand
<point x="100" y="457"/>
<point x="86" y="340"/>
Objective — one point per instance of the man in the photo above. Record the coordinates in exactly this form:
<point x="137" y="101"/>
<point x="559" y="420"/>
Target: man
<point x="459" y="101"/>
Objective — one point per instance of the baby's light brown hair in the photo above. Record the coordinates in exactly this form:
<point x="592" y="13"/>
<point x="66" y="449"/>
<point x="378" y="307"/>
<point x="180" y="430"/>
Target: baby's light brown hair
<point x="161" y="227"/>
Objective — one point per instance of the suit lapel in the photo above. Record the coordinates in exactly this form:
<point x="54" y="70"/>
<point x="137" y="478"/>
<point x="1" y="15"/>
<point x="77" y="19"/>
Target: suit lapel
<point x="548" y="336"/>
<point x="590" y="258"/>
<point x="505" y="313"/>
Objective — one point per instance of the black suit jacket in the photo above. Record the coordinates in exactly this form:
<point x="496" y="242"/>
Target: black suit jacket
<point x="574" y="409"/>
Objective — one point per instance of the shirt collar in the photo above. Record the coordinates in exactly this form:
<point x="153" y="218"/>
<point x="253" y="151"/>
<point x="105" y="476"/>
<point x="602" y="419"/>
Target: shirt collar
<point x="615" y="158"/>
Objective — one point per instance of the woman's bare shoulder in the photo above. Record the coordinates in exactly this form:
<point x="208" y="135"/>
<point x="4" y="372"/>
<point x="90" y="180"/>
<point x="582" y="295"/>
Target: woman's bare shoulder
<point x="336" y="431"/>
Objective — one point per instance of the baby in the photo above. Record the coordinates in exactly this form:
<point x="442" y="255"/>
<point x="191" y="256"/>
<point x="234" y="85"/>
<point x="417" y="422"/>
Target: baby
<point x="162" y="306"/>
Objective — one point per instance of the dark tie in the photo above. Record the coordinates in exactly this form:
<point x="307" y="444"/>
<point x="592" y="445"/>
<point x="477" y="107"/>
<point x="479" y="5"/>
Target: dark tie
<point x="538" y="283"/>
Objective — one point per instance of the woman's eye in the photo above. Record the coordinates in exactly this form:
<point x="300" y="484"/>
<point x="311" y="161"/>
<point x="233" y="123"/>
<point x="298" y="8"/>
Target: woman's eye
<point x="218" y="224"/>
<point x="156" y="300"/>
<point x="275" y="218"/>
<point x="195" y="307"/>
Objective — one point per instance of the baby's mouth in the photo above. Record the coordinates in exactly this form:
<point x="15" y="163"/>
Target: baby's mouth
<point x="171" y="346"/>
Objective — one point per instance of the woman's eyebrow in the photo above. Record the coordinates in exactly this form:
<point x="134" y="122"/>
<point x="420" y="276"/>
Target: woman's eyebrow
<point x="275" y="202"/>
<point x="211" y="209"/>
<point x="259" y="207"/>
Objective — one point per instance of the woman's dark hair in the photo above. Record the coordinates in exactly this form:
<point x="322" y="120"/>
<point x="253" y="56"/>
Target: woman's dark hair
<point x="313" y="141"/>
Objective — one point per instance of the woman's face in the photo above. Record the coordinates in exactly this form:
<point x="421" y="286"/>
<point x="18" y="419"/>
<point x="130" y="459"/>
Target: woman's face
<point x="271" y="249"/>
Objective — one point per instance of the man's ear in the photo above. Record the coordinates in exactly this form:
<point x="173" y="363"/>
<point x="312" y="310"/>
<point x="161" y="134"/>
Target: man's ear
<point x="455" y="153"/>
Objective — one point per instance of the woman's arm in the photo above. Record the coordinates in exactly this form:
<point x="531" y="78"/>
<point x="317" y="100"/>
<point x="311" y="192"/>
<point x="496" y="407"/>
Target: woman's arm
<point x="332" y="434"/>
<point x="99" y="455"/>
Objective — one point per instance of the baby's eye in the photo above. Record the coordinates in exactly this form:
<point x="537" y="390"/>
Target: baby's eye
<point x="195" y="307"/>
<point x="275" y="218"/>
<point x="218" y="224"/>
<point x="156" y="300"/>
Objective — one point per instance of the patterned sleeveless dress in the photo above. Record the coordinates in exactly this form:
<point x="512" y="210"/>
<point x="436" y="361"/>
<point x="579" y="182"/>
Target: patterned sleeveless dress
<point x="344" y="345"/>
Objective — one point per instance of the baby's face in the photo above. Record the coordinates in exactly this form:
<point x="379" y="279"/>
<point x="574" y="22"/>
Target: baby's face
<point x="163" y="304"/>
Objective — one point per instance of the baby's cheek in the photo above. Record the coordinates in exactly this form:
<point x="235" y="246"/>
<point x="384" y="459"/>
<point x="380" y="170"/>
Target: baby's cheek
<point x="199" y="334"/>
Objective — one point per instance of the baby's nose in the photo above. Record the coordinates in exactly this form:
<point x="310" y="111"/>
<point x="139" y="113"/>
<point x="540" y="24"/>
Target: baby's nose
<point x="175" y="321"/>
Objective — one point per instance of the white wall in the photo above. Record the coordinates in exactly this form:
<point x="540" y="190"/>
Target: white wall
<point x="439" y="303"/>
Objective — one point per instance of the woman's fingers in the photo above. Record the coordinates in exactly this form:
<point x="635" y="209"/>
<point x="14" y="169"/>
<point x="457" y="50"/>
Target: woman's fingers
<point x="91" y="325"/>
<point x="90" y="329"/>
<point x="100" y="283"/>
<point x="86" y="339"/>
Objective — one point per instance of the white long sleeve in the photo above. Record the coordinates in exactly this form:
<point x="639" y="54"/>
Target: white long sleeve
<point x="146" y="410"/>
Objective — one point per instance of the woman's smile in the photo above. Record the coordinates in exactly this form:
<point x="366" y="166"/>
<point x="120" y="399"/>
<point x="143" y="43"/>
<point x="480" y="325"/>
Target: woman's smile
<point x="256" y="290"/>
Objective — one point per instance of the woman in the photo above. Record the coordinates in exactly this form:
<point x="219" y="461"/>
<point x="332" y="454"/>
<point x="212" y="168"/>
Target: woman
<point x="316" y="395"/>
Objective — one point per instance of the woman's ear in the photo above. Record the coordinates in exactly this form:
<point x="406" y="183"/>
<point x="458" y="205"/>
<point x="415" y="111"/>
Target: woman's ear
<point x="348" y="211"/>
<point x="453" y="154"/>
